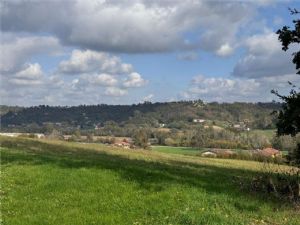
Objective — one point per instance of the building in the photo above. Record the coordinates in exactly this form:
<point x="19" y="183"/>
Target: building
<point x="198" y="120"/>
<point x="269" y="152"/>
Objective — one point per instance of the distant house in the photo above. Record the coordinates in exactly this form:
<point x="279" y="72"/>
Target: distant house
<point x="124" y="144"/>
<point x="237" y="126"/>
<point x="40" y="135"/>
<point x="97" y="126"/>
<point x="241" y="126"/>
<point x="161" y="125"/>
<point x="198" y="120"/>
<point x="209" y="154"/>
<point x="216" y="152"/>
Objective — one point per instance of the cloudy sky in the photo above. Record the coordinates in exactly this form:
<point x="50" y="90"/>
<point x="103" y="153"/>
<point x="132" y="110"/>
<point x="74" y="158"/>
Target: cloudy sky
<point x="75" y="52"/>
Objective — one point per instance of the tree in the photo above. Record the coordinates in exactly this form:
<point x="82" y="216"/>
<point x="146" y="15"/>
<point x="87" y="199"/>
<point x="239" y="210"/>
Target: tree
<point x="90" y="137"/>
<point x="289" y="116"/>
<point x="140" y="138"/>
<point x="288" y="37"/>
<point x="200" y="138"/>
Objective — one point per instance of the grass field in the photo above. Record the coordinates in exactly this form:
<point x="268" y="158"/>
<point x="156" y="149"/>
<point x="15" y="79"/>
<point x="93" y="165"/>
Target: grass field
<point x="53" y="182"/>
<point x="268" y="133"/>
<point x="177" y="150"/>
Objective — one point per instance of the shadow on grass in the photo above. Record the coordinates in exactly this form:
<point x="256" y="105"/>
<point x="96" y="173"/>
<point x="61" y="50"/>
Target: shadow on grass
<point x="149" y="175"/>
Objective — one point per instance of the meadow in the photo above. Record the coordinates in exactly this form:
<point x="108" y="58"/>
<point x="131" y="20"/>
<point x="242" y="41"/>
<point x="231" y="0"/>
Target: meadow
<point x="177" y="150"/>
<point x="56" y="182"/>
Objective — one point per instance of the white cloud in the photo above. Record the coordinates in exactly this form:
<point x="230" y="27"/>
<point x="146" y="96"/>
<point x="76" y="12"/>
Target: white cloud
<point x="91" y="61"/>
<point x="134" y="80"/>
<point x="264" y="58"/>
<point x="238" y="89"/>
<point x="30" y="75"/>
<point x="105" y="80"/>
<point x="89" y="85"/>
<point x="225" y="50"/>
<point x="16" y="51"/>
<point x="148" y="98"/>
<point x="31" y="72"/>
<point x="130" y="26"/>
<point x="115" y="91"/>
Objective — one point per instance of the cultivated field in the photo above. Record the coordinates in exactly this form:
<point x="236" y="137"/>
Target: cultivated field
<point x="54" y="182"/>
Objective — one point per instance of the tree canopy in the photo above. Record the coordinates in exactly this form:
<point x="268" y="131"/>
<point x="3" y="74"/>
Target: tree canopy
<point x="288" y="36"/>
<point x="289" y="116"/>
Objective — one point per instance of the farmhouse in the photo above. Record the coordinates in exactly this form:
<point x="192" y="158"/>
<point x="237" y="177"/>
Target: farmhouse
<point x="209" y="154"/>
<point x="198" y="120"/>
<point x="226" y="153"/>
<point x="269" y="152"/>
<point x="241" y="126"/>
<point x="124" y="144"/>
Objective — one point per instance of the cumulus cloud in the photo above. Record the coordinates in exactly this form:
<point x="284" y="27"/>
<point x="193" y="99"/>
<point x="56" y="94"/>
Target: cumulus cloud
<point x="91" y="61"/>
<point x="134" y="80"/>
<point x="115" y="91"/>
<point x="16" y="51"/>
<point x="148" y="98"/>
<point x="106" y="80"/>
<point x="264" y="58"/>
<point x="225" y="50"/>
<point x="130" y="26"/>
<point x="238" y="89"/>
<point x="101" y="69"/>
<point x="97" y="77"/>
<point x="31" y="75"/>
<point x="32" y="72"/>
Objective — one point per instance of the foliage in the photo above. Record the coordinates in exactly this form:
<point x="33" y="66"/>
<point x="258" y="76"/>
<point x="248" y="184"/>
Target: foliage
<point x="287" y="37"/>
<point x="284" y="142"/>
<point x="140" y="138"/>
<point x="55" y="135"/>
<point x="200" y="138"/>
<point x="281" y="184"/>
<point x="289" y="116"/>
<point x="122" y="120"/>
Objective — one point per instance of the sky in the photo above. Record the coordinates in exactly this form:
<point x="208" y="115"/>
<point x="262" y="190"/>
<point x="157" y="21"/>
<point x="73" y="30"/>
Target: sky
<point x="74" y="52"/>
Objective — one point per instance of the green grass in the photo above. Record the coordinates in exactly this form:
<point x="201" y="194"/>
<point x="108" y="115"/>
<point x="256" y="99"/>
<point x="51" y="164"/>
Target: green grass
<point x="52" y="182"/>
<point x="177" y="150"/>
<point x="268" y="133"/>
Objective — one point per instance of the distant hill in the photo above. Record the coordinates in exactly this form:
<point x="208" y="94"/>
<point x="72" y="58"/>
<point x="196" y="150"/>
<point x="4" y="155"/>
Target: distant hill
<point x="5" y="109"/>
<point x="256" y="114"/>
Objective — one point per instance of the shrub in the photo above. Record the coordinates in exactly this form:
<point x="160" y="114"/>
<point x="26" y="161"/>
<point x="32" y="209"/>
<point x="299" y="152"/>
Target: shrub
<point x="284" y="185"/>
<point x="170" y="142"/>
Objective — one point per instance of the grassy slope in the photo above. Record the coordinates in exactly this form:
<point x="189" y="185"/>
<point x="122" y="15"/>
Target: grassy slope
<point x="268" y="133"/>
<point x="177" y="150"/>
<point x="67" y="183"/>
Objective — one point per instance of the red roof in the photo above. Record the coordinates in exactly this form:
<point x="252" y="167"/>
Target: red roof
<point x="269" y="151"/>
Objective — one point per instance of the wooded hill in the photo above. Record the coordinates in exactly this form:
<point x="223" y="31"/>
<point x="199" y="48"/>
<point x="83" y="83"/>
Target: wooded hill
<point x="172" y="114"/>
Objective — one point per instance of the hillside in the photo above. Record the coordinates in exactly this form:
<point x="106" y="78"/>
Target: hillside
<point x="170" y="113"/>
<point x="72" y="183"/>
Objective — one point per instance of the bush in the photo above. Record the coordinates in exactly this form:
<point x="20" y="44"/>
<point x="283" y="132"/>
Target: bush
<point x="170" y="142"/>
<point x="281" y="184"/>
<point x="28" y="136"/>
<point x="106" y="140"/>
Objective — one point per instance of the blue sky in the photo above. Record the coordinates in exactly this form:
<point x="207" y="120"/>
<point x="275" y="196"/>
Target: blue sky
<point x="124" y="52"/>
